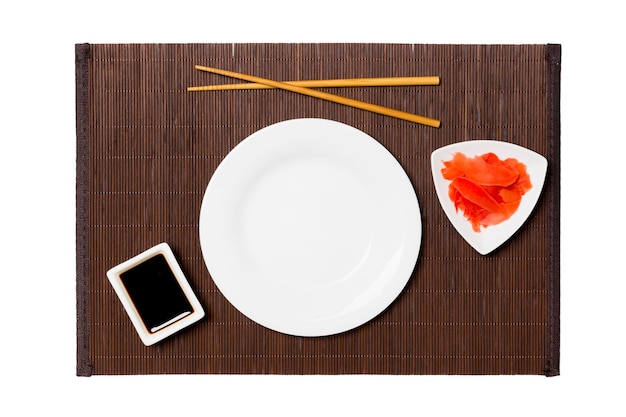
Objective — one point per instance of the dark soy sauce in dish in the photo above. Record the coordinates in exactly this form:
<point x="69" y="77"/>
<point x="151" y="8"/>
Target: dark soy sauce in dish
<point x="156" y="293"/>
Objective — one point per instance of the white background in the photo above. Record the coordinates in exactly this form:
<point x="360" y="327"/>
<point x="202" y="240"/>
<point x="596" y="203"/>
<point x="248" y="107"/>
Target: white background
<point x="37" y="209"/>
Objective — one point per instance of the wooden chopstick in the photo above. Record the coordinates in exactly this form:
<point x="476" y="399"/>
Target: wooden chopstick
<point x="342" y="82"/>
<point x="326" y="96"/>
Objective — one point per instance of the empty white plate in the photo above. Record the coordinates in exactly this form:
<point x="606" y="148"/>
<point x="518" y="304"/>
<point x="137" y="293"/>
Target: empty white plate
<point x="491" y="237"/>
<point x="310" y="227"/>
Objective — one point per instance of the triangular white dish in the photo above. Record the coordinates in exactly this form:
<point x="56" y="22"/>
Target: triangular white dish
<point x="491" y="237"/>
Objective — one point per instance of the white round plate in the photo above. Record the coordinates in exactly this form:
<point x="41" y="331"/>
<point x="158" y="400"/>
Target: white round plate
<point x="310" y="227"/>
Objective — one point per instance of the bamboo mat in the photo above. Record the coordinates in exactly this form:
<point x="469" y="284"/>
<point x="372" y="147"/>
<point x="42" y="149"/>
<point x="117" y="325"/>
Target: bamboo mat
<point x="146" y="149"/>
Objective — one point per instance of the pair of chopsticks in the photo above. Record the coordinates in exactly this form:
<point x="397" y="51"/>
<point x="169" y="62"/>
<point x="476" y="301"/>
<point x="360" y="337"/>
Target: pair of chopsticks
<point x="306" y="88"/>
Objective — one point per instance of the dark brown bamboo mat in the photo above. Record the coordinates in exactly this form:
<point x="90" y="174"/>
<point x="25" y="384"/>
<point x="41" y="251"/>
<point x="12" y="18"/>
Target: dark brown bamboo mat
<point x="146" y="149"/>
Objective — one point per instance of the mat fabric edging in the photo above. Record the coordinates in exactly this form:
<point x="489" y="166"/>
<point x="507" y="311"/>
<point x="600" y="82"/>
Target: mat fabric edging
<point x="83" y="365"/>
<point x="553" y="57"/>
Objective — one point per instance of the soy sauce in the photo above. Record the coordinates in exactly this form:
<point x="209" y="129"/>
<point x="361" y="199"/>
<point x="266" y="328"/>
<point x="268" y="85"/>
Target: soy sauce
<point x="156" y="293"/>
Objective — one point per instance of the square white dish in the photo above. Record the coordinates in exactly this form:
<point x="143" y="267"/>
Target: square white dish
<point x="155" y="294"/>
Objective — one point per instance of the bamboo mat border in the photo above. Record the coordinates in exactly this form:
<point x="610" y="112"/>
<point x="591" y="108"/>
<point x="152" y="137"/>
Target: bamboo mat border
<point x="83" y="363"/>
<point x="553" y="57"/>
<point x="82" y="57"/>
